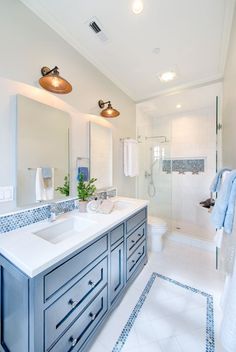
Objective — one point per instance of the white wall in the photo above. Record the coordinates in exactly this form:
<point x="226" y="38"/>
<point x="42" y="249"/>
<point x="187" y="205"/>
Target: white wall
<point x="27" y="44"/>
<point x="229" y="103"/>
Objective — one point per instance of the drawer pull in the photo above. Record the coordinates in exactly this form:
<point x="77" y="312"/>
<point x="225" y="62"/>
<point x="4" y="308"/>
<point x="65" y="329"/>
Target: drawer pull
<point x="92" y="316"/>
<point x="139" y="253"/>
<point x="139" y="234"/>
<point x="91" y="283"/>
<point x="72" y="303"/>
<point x="73" y="341"/>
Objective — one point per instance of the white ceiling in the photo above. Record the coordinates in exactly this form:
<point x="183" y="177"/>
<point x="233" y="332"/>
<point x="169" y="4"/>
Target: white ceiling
<point x="190" y="100"/>
<point x="192" y="36"/>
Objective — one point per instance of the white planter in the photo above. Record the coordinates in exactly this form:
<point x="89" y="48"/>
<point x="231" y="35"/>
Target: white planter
<point x="83" y="206"/>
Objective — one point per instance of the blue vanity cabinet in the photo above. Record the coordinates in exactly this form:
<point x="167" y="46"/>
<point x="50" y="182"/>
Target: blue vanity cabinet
<point x="136" y="243"/>
<point x="14" y="310"/>
<point x="63" y="308"/>
<point x="117" y="262"/>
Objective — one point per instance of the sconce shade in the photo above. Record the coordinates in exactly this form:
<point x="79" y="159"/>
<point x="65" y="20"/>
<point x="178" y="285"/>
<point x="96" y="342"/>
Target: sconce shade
<point x="53" y="82"/>
<point x="109" y="112"/>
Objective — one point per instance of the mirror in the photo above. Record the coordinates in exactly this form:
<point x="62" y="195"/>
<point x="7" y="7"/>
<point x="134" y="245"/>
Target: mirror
<point x="101" y="155"/>
<point x="42" y="151"/>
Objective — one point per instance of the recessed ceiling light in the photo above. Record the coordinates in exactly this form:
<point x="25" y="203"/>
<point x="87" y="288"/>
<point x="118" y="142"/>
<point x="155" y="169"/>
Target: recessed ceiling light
<point x="167" y="76"/>
<point x="178" y="106"/>
<point x="137" y="7"/>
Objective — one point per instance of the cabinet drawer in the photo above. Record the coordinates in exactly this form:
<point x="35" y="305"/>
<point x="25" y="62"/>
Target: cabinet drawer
<point x="135" y="259"/>
<point x="136" y="219"/>
<point x="65" y="272"/>
<point x="117" y="234"/>
<point x="78" y="333"/>
<point x="60" y="314"/>
<point x="134" y="240"/>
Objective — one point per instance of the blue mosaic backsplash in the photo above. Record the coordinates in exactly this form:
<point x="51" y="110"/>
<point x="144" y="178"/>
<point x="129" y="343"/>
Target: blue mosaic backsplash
<point x="183" y="165"/>
<point x="27" y="217"/>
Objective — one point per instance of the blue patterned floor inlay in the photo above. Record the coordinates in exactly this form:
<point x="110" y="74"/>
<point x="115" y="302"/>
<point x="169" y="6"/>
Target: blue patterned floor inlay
<point x="210" y="334"/>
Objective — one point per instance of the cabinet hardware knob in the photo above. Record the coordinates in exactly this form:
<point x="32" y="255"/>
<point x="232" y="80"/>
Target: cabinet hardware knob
<point x="72" y="303"/>
<point x="92" y="316"/>
<point x="73" y="341"/>
<point x="133" y="241"/>
<point x="139" y="253"/>
<point x="139" y="234"/>
<point x="133" y="261"/>
<point x="91" y="283"/>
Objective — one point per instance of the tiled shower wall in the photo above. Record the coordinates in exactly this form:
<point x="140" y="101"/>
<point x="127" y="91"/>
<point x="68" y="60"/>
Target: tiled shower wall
<point x="191" y="136"/>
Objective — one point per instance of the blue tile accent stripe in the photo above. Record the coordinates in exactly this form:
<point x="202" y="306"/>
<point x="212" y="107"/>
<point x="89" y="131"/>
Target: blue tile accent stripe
<point x="183" y="165"/>
<point x="210" y="334"/>
<point x="27" y="217"/>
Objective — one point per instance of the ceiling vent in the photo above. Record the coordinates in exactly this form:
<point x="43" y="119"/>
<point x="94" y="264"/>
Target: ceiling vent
<point x="96" y="26"/>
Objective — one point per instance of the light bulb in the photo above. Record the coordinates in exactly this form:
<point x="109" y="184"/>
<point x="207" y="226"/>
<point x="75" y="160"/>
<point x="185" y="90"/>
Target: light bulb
<point x="137" y="7"/>
<point x="55" y="82"/>
<point x="167" y="76"/>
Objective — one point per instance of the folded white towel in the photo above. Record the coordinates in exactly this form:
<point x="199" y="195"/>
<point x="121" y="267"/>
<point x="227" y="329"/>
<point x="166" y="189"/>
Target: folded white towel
<point x="131" y="167"/>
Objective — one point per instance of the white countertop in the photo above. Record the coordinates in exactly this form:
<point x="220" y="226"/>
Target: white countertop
<point x="33" y="254"/>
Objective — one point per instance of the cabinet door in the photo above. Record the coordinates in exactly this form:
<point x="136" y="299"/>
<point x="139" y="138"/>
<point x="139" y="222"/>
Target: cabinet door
<point x="14" y="309"/>
<point x="117" y="270"/>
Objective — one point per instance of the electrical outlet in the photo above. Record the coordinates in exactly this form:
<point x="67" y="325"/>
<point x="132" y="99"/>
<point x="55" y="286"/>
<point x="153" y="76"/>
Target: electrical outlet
<point x="1" y="194"/>
<point x="6" y="194"/>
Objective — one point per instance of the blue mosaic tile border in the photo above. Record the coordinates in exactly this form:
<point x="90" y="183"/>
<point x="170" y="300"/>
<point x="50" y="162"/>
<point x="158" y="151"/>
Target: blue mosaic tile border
<point x="183" y="165"/>
<point x="30" y="216"/>
<point x="210" y="334"/>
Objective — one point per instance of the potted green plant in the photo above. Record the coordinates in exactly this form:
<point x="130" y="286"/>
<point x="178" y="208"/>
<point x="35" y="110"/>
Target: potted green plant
<point x="85" y="190"/>
<point x="65" y="189"/>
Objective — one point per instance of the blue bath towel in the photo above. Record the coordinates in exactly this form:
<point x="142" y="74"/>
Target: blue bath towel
<point x="85" y="171"/>
<point x="229" y="218"/>
<point x="223" y="211"/>
<point x="47" y="172"/>
<point x="216" y="184"/>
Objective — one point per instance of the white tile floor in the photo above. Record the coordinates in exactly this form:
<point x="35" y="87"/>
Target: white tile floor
<point x="172" y="319"/>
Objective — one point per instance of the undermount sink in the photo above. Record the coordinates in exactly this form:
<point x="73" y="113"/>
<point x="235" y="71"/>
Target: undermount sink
<point x="63" y="230"/>
<point x="121" y="205"/>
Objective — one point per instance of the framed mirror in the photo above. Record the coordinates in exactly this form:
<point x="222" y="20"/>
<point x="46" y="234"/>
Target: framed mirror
<point x="101" y="155"/>
<point x="42" y="152"/>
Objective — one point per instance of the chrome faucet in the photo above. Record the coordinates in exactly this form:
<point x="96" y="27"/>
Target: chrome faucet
<point x="55" y="210"/>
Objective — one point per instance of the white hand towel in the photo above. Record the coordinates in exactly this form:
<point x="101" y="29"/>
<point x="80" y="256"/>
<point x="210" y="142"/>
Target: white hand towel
<point x="126" y="150"/>
<point x="131" y="167"/>
<point x="44" y="188"/>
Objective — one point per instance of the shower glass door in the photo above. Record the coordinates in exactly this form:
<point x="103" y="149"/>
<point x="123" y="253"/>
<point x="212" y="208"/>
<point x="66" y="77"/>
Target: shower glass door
<point x="155" y="181"/>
